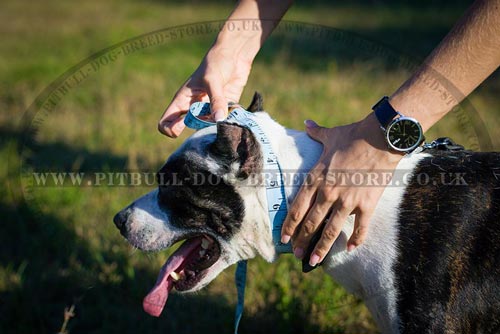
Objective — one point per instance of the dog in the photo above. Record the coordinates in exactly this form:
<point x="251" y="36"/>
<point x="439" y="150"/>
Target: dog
<point x="430" y="262"/>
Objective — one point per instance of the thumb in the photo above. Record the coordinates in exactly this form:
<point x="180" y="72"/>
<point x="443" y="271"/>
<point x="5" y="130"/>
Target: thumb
<point x="315" y="131"/>
<point x="218" y="102"/>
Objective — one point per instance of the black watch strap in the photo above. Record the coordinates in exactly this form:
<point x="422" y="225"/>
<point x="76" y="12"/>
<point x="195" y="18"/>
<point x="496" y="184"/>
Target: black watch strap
<point x="384" y="111"/>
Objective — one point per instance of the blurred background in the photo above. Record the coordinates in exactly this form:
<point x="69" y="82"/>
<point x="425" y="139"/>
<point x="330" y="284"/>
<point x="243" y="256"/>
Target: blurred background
<point x="58" y="245"/>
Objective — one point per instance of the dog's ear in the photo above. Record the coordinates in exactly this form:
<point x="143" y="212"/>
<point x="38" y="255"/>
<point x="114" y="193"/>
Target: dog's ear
<point x="237" y="144"/>
<point x="257" y="103"/>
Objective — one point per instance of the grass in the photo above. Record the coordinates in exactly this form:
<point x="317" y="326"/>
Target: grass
<point x="58" y="246"/>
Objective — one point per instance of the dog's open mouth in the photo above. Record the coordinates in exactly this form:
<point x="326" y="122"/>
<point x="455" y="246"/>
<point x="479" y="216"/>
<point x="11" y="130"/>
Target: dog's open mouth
<point x="183" y="270"/>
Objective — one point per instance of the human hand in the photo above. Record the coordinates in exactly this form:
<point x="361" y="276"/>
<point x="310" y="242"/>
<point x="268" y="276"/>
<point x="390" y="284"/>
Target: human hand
<point x="358" y="147"/>
<point x="220" y="79"/>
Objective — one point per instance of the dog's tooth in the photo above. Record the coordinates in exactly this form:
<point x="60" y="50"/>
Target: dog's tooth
<point x="175" y="276"/>
<point x="205" y="243"/>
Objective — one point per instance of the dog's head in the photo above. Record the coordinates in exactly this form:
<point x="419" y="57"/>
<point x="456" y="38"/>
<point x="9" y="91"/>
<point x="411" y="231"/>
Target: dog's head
<point x="204" y="197"/>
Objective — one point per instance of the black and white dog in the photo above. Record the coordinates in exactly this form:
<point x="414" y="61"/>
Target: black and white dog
<point x="430" y="263"/>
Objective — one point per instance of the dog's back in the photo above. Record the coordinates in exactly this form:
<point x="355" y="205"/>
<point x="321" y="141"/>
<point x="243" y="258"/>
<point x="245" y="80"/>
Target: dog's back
<point x="448" y="267"/>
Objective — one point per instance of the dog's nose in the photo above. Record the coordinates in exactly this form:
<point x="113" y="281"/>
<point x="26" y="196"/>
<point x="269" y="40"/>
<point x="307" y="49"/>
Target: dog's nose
<point x="120" y="219"/>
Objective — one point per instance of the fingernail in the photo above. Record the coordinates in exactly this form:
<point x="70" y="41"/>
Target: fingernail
<point x="314" y="260"/>
<point x="350" y="248"/>
<point x="298" y="252"/>
<point x="285" y="238"/>
<point x="310" y="123"/>
<point x="219" y="115"/>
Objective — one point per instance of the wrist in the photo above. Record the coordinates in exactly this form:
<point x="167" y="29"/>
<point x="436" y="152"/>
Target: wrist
<point x="409" y="105"/>
<point x="249" y="25"/>
<point x="236" y="39"/>
<point x="369" y="129"/>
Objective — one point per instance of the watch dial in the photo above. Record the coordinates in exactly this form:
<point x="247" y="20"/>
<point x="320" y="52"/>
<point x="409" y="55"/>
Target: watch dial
<point x="404" y="134"/>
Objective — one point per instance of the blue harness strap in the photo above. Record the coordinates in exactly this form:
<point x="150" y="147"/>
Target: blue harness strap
<point x="275" y="188"/>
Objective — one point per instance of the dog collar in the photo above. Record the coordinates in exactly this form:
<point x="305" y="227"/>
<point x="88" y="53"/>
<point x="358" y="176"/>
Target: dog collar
<point x="275" y="188"/>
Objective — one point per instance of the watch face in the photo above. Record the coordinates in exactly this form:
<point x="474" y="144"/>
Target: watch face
<point x="404" y="134"/>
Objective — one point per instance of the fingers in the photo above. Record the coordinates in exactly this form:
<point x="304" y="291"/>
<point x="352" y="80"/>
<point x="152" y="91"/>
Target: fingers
<point x="300" y="206"/>
<point x="315" y="131"/>
<point x="218" y="102"/>
<point x="325" y="198"/>
<point x="330" y="233"/>
<point x="303" y="201"/>
<point x="360" y="230"/>
<point x="171" y="122"/>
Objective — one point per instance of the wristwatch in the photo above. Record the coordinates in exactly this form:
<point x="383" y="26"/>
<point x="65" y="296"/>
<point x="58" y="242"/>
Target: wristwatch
<point x="402" y="134"/>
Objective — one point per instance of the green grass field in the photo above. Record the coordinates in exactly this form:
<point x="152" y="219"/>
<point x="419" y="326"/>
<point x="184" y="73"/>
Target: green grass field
<point x="58" y="245"/>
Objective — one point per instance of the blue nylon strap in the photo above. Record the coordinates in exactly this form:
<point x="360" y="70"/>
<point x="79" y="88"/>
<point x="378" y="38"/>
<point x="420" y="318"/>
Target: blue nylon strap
<point x="275" y="187"/>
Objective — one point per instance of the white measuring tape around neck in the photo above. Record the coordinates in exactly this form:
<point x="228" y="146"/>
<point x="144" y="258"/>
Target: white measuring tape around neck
<point x="275" y="188"/>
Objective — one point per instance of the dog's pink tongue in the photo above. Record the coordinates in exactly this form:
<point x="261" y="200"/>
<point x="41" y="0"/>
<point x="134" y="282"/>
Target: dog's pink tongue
<point x="155" y="301"/>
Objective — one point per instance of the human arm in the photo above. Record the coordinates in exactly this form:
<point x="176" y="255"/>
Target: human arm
<point x="467" y="55"/>
<point x="224" y="70"/>
<point x="464" y="59"/>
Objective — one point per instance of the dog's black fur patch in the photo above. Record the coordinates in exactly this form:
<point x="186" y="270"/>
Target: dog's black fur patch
<point x="193" y="203"/>
<point x="448" y="267"/>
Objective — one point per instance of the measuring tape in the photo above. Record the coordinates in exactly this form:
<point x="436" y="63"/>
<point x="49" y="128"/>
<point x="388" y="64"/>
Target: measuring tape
<point x="275" y="188"/>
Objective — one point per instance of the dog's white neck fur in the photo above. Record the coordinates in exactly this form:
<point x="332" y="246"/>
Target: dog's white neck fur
<point x="368" y="270"/>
